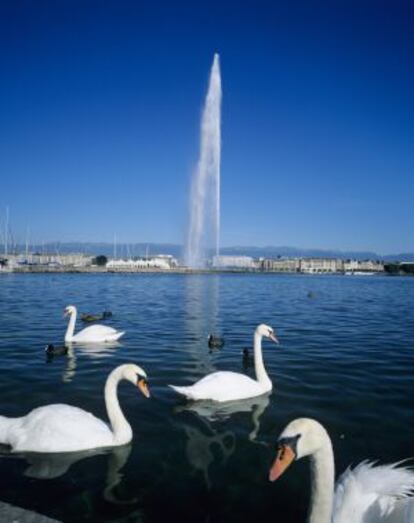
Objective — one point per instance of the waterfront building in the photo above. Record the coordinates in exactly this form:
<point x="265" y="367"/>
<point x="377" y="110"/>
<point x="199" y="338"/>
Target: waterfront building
<point x="234" y="262"/>
<point x="27" y="262"/>
<point x="57" y="260"/>
<point x="321" y="265"/>
<point x="280" y="264"/>
<point x="352" y="266"/>
<point x="161" y="261"/>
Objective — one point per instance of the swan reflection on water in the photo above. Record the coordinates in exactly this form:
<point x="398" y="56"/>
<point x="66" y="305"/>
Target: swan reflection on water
<point x="206" y="444"/>
<point x="55" y="465"/>
<point x="216" y="411"/>
<point x="92" y="350"/>
<point x="97" y="350"/>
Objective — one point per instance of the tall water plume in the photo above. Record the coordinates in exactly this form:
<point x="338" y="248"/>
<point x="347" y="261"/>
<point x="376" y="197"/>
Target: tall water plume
<point x="204" y="224"/>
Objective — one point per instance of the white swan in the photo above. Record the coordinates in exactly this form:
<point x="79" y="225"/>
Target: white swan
<point x="63" y="428"/>
<point x="366" y="494"/>
<point x="230" y="386"/>
<point x="92" y="334"/>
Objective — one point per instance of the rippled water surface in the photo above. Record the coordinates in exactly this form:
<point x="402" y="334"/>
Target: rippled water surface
<point x="345" y="358"/>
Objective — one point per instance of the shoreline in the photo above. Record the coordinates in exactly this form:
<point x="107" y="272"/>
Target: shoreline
<point x="175" y="270"/>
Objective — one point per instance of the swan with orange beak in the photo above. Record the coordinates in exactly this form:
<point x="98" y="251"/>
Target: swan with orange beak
<point x="365" y="494"/>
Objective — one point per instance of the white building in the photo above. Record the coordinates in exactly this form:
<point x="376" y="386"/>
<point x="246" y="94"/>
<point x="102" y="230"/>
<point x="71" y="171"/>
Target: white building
<point x="234" y="262"/>
<point x="57" y="260"/>
<point x="321" y="265"/>
<point x="280" y="264"/>
<point x="352" y="266"/>
<point x="162" y="261"/>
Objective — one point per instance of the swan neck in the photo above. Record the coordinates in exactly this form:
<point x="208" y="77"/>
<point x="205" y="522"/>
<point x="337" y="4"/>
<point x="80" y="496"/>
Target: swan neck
<point x="121" y="429"/>
<point x="71" y="326"/>
<point x="322" y="483"/>
<point x="261" y="374"/>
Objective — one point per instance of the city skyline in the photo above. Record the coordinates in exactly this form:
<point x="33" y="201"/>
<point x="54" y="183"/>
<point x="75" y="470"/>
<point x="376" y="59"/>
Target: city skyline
<point x="101" y="108"/>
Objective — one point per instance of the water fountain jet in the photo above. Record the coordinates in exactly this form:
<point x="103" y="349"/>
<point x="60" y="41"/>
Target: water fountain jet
<point x="204" y="223"/>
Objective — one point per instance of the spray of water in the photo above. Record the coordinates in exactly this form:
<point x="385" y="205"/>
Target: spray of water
<point x="204" y="224"/>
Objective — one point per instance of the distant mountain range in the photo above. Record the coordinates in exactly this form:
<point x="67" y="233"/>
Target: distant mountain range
<point x="142" y="249"/>
<point x="297" y="252"/>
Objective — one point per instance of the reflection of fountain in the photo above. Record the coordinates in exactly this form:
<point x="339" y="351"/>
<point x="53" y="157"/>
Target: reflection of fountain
<point x="205" y="191"/>
<point x="201" y="318"/>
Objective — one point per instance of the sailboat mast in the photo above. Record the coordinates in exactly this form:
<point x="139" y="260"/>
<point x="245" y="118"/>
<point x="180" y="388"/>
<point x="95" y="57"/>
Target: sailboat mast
<point x="27" y="244"/>
<point x="6" y="232"/>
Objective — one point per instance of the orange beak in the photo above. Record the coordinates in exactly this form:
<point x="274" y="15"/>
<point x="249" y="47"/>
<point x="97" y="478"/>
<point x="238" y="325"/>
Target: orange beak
<point x="143" y="387"/>
<point x="284" y="458"/>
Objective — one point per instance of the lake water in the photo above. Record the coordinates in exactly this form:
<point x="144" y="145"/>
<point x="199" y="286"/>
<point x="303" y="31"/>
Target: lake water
<point x="346" y="358"/>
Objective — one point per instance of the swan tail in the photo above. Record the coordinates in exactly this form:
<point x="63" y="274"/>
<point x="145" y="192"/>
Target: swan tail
<point x="386" y="480"/>
<point x="5" y="425"/>
<point x="377" y="488"/>
<point x="117" y="336"/>
<point x="183" y="391"/>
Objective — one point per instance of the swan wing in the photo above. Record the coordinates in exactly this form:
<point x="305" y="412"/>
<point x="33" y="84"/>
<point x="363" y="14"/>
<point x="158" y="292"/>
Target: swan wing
<point x="375" y="493"/>
<point x="58" y="428"/>
<point x="97" y="333"/>
<point x="222" y="386"/>
<point x="403" y="512"/>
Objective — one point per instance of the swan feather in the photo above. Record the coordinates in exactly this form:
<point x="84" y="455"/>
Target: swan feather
<point x="97" y="331"/>
<point x="375" y="493"/>
<point x="55" y="428"/>
<point x="221" y="386"/>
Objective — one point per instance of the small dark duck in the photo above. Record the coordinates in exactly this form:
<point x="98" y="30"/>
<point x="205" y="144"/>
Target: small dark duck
<point x="96" y="317"/>
<point x="248" y="359"/>
<point x="215" y="342"/>
<point x="56" y="350"/>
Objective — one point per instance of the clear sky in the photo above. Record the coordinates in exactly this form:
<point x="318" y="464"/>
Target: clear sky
<point x="100" y="103"/>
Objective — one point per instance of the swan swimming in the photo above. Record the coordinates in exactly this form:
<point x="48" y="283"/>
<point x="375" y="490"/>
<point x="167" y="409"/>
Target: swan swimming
<point x="230" y="386"/>
<point x="63" y="428"/>
<point x="92" y="334"/>
<point x="367" y="494"/>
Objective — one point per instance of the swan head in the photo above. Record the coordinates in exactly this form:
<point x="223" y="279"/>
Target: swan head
<point x="137" y="376"/>
<point x="266" y="332"/>
<point x="69" y="310"/>
<point x="301" y="437"/>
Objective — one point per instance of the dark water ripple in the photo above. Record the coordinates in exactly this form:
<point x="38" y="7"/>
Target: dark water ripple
<point x="346" y="358"/>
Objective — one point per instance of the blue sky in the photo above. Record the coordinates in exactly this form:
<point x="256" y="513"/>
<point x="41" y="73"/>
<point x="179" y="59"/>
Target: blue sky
<point x="100" y="103"/>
